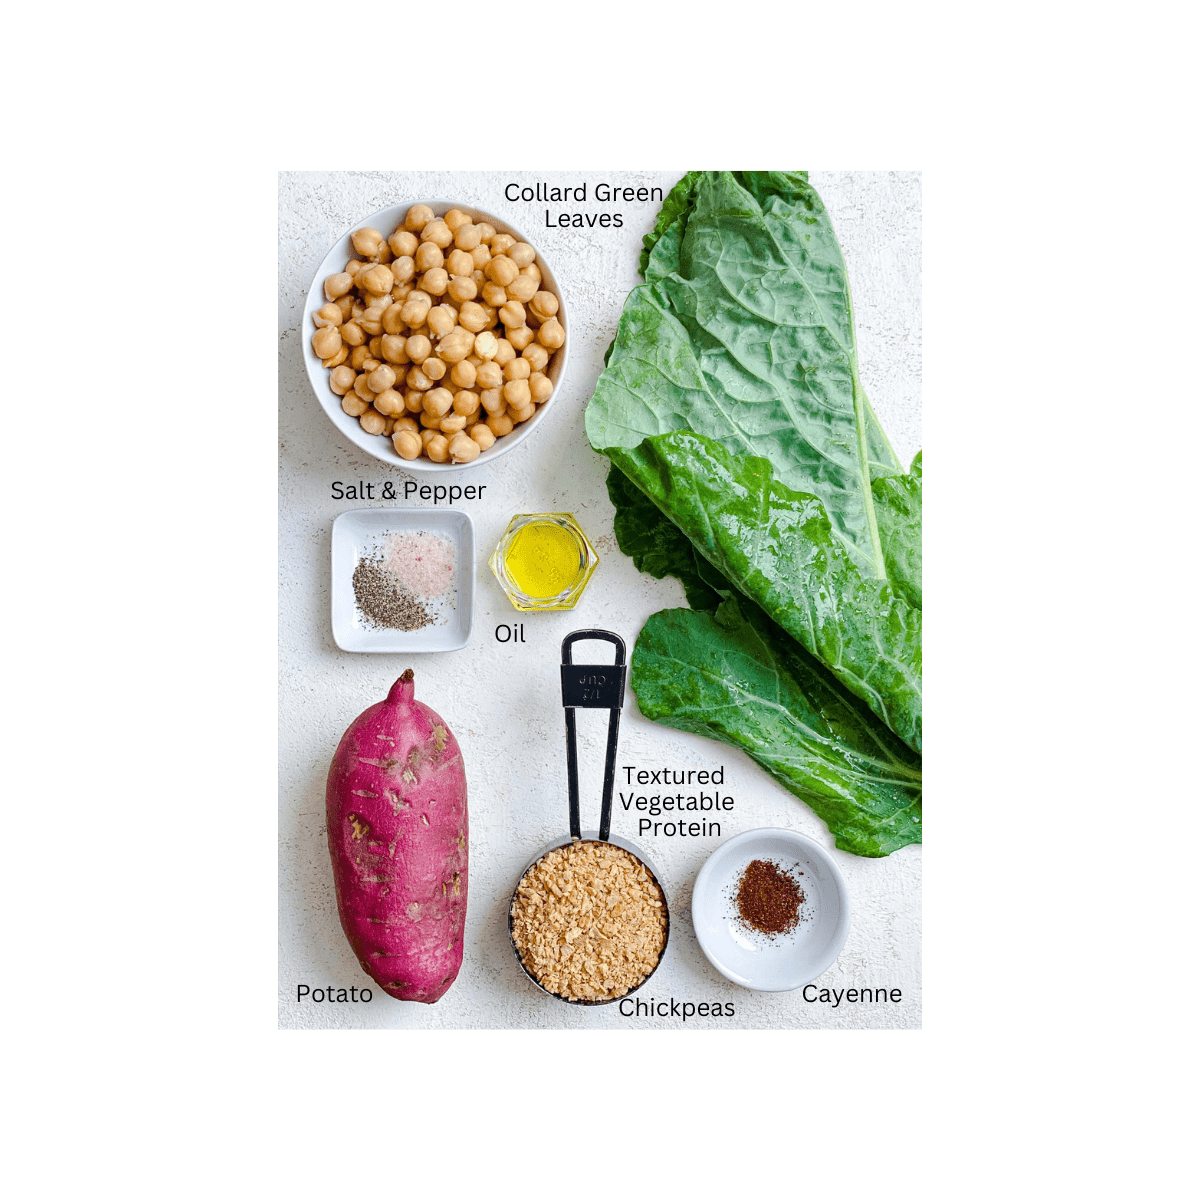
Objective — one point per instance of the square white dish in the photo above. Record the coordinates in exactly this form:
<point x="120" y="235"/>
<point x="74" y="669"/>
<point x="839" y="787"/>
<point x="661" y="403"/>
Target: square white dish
<point x="354" y="533"/>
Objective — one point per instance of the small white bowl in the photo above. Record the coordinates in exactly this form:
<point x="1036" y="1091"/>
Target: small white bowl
<point x="353" y="532"/>
<point x="787" y="961"/>
<point x="376" y="445"/>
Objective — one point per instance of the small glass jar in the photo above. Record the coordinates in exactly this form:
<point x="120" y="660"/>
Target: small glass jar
<point x="543" y="562"/>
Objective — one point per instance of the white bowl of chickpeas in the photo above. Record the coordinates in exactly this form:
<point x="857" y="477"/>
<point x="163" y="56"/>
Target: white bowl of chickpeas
<point x="434" y="336"/>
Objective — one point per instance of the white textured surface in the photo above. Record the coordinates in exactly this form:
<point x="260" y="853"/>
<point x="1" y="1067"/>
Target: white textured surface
<point x="502" y="701"/>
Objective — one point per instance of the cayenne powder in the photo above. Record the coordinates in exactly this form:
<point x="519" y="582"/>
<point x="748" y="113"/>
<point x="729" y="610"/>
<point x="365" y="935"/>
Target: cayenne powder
<point x="768" y="899"/>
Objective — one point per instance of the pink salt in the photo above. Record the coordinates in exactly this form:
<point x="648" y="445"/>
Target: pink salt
<point x="422" y="562"/>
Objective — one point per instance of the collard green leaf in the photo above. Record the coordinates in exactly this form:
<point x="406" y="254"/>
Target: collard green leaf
<point x="898" y="510"/>
<point x="674" y="210"/>
<point x="717" y="675"/>
<point x="776" y="546"/>
<point x="751" y="342"/>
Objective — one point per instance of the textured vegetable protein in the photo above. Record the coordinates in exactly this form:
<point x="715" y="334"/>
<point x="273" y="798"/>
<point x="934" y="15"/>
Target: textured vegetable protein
<point x="588" y="921"/>
<point x="396" y="819"/>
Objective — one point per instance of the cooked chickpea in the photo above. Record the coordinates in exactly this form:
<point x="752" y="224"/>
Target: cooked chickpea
<point x="462" y="288"/>
<point x="367" y="242"/>
<point x="381" y="378"/>
<point x="407" y="423"/>
<point x="338" y="285"/>
<point x="473" y="317"/>
<point x="517" y="394"/>
<point x="372" y="422"/>
<point x="463" y="448"/>
<point x="337" y="358"/>
<point x="494" y="294"/>
<point x="439" y="401"/>
<point x="403" y="244"/>
<point x="353" y="267"/>
<point x="416" y="308"/>
<point x="456" y="345"/>
<point x="435" y="282"/>
<point x="392" y="319"/>
<point x="437" y="232"/>
<point x="463" y="374"/>
<point x="427" y="435"/>
<point x="520" y="415"/>
<point x="540" y="388"/>
<point x="428" y="256"/>
<point x="402" y="291"/>
<point x="552" y="335"/>
<point x="377" y="279"/>
<point x="414" y="401"/>
<point x="418" y="380"/>
<point x="466" y="402"/>
<point x="501" y="242"/>
<point x="354" y="405"/>
<point x="501" y="270"/>
<point x="407" y="443"/>
<point x="326" y="340"/>
<point x="389" y="402"/>
<point x="375" y="345"/>
<point x="403" y="269"/>
<point x="392" y="348"/>
<point x="341" y="380"/>
<point x="486" y="231"/>
<point x="536" y="355"/>
<point x="418" y="217"/>
<point x="372" y="320"/>
<point x="352" y="334"/>
<point x="434" y="368"/>
<point x="483" y="436"/>
<point x="369" y="364"/>
<point x="522" y="253"/>
<point x="512" y="315"/>
<point x="492" y="400"/>
<point x="456" y="218"/>
<point x="522" y="288"/>
<point x="389" y="423"/>
<point x="441" y="320"/>
<point x="363" y="389"/>
<point x="358" y="356"/>
<point x="459" y="262"/>
<point x="453" y="423"/>
<point x="519" y="338"/>
<point x="544" y="305"/>
<point x="438" y="447"/>
<point x="485" y="345"/>
<point x="499" y="424"/>
<point x="346" y="305"/>
<point x="467" y="236"/>
<point x="504" y="352"/>
<point x="418" y="348"/>
<point x="429" y="420"/>
<point x="533" y="271"/>
<point x="519" y="368"/>
<point x="489" y="374"/>
<point x="481" y="256"/>
<point x="327" y="314"/>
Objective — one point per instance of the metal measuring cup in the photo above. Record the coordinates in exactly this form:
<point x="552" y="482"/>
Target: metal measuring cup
<point x="591" y="686"/>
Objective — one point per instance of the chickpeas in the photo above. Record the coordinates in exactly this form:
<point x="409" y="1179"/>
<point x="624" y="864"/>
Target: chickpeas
<point x="367" y="242"/>
<point x="326" y="341"/>
<point x="338" y="285"/>
<point x="543" y="305"/>
<point x="551" y="335"/>
<point x="501" y="270"/>
<point x="463" y="448"/>
<point x="408" y="444"/>
<point x="381" y="378"/>
<point x="439" y="335"/>
<point x="341" y="380"/>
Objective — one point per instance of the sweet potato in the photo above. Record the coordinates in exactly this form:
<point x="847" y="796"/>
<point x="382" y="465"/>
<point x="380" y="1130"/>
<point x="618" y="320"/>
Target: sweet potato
<point x="396" y="808"/>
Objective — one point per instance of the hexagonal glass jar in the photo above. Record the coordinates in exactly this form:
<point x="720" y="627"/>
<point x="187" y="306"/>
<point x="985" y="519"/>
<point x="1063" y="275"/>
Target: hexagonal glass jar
<point x="543" y="562"/>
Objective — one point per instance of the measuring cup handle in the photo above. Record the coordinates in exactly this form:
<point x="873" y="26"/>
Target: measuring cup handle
<point x="592" y="686"/>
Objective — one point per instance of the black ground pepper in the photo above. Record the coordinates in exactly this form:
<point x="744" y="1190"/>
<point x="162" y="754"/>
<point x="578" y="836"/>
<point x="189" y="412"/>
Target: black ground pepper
<point x="382" y="602"/>
<point x="768" y="899"/>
